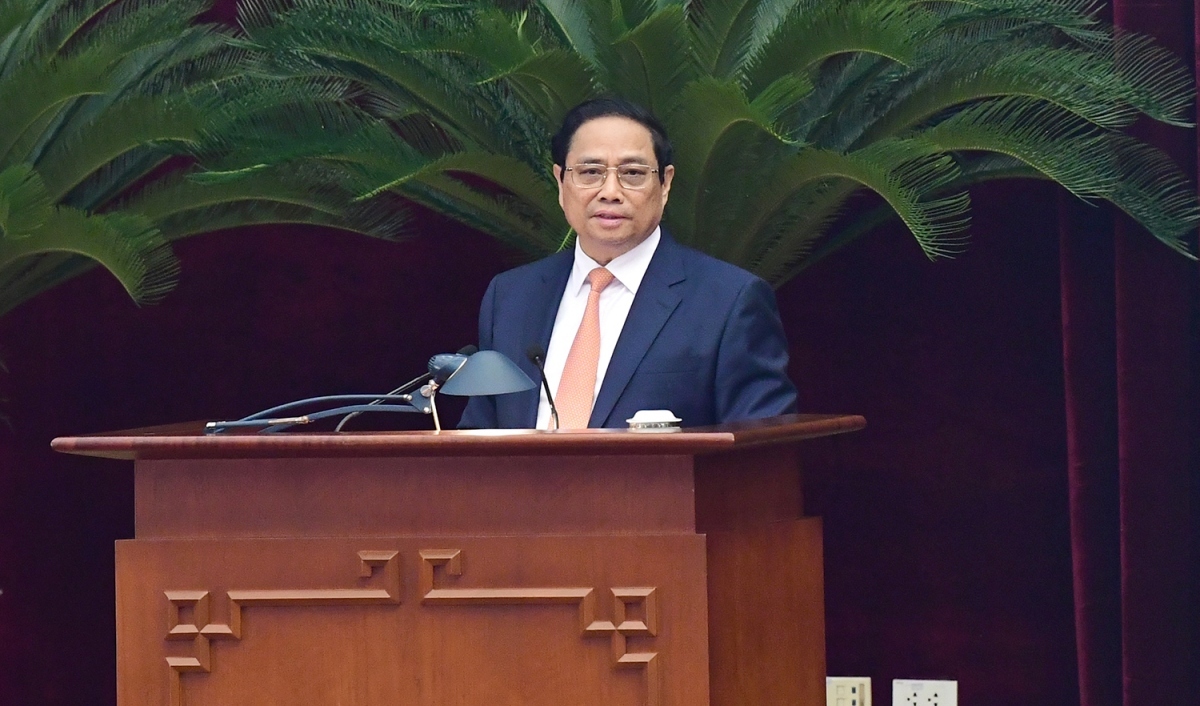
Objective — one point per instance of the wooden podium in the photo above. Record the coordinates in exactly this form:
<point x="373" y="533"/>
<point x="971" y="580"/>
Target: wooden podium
<point x="502" y="568"/>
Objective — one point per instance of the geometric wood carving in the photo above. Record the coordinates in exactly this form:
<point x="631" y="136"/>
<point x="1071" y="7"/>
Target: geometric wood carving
<point x="194" y="606"/>
<point x="635" y="610"/>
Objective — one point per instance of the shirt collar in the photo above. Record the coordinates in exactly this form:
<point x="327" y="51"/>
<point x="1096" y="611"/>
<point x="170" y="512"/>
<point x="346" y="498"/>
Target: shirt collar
<point x="627" y="268"/>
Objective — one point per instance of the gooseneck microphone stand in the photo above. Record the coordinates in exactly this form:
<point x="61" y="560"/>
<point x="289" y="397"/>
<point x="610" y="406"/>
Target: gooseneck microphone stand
<point x="270" y="420"/>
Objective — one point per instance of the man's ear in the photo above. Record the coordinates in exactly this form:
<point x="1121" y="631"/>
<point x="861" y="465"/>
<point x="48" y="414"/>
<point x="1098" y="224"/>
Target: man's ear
<point x="668" y="175"/>
<point x="558" y="179"/>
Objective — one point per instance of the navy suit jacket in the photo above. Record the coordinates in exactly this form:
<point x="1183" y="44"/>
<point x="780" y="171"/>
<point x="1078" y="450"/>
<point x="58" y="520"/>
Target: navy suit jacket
<point x="703" y="339"/>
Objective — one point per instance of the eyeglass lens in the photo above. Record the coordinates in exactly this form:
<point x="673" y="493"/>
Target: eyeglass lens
<point x="631" y="176"/>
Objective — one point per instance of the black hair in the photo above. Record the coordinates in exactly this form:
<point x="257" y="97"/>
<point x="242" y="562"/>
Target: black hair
<point x="605" y="107"/>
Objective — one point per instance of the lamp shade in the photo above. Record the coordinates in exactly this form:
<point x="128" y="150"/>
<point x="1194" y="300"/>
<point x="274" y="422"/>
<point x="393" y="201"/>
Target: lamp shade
<point x="487" y="373"/>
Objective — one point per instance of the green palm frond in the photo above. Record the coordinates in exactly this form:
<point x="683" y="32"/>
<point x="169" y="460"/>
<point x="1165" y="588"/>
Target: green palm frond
<point x="1155" y="81"/>
<point x="25" y="204"/>
<point x="30" y="276"/>
<point x="973" y="170"/>
<point x="1056" y="143"/>
<point x="993" y="72"/>
<point x="790" y="238"/>
<point x="727" y="32"/>
<point x="900" y="171"/>
<point x="581" y="25"/>
<point x="651" y="63"/>
<point x="122" y="128"/>
<point x="894" y="30"/>
<point x="1073" y="20"/>
<point x="782" y="112"/>
<point x="32" y="91"/>
<point x="731" y="140"/>
<point x="1155" y="193"/>
<point x="550" y="83"/>
<point x="377" y="219"/>
<point x="129" y="246"/>
<point x="495" y="214"/>
<point x="107" y="104"/>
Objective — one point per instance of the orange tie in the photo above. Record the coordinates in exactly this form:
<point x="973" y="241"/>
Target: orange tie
<point x="577" y="389"/>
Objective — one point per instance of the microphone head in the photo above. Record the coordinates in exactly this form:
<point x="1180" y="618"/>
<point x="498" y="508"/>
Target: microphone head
<point x="535" y="353"/>
<point x="443" y="365"/>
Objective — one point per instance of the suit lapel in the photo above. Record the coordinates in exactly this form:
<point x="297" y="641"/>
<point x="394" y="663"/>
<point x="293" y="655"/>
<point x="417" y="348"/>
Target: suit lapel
<point x="541" y="308"/>
<point x="653" y="305"/>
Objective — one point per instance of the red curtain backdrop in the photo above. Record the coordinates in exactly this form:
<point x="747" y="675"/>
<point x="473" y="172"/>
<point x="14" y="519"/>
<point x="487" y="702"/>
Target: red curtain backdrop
<point x="1021" y="514"/>
<point x="1132" y="393"/>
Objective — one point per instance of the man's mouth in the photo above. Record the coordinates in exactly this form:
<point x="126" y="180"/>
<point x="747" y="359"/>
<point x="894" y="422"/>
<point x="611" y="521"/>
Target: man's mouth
<point x="608" y="218"/>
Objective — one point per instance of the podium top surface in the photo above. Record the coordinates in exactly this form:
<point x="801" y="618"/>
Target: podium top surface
<point x="187" y="440"/>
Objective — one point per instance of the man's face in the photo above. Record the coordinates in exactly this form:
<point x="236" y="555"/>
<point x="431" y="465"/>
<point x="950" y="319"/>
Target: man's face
<point x="611" y="219"/>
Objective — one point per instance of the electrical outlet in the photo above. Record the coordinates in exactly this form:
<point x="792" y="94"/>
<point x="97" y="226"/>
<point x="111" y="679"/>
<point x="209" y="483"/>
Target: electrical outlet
<point x="847" y="691"/>
<point x="924" y="692"/>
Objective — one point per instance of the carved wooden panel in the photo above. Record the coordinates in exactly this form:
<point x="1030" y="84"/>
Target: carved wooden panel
<point x="195" y="605"/>
<point x="643" y="600"/>
<point x="582" y="620"/>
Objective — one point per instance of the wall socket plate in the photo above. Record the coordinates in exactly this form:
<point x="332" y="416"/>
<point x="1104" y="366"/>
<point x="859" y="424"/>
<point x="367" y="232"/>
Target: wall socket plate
<point x="847" y="691"/>
<point x="924" y="692"/>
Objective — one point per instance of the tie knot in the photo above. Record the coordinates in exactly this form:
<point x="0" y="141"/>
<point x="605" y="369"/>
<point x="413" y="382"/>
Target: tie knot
<point x="600" y="278"/>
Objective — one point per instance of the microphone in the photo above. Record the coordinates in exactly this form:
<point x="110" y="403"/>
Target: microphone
<point x="536" y="355"/>
<point x="442" y="367"/>
<point x="442" y="364"/>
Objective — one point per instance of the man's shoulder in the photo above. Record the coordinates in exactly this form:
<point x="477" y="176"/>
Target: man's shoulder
<point x="537" y="270"/>
<point x="713" y="270"/>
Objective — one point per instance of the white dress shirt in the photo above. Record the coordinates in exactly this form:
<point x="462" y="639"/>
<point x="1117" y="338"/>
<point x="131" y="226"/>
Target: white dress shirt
<point x="616" y="299"/>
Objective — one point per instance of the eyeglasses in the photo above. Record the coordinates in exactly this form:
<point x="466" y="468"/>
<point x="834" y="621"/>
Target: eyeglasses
<point x="593" y="176"/>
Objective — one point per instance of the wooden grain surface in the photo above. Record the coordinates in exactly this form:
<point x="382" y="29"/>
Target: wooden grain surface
<point x="346" y="497"/>
<point x="767" y="615"/>
<point x="188" y="441"/>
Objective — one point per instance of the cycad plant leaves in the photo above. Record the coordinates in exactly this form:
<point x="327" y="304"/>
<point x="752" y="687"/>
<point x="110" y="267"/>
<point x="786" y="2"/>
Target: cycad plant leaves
<point x="651" y="62"/>
<point x="550" y="83"/>
<point x="25" y="205"/>
<point x="109" y="106"/>
<point x="1056" y="143"/>
<point x="820" y="30"/>
<point x="780" y="111"/>
<point x="127" y="245"/>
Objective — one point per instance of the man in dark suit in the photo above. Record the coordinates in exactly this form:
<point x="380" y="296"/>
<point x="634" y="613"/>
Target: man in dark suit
<point x="629" y="319"/>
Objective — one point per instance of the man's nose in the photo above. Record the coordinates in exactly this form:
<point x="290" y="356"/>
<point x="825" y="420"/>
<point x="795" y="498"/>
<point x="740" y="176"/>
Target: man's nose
<point x="610" y="190"/>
